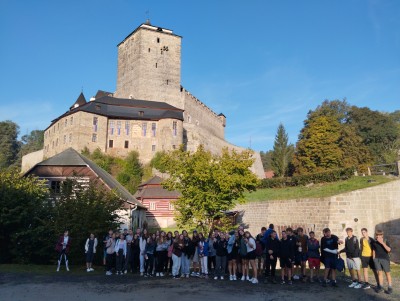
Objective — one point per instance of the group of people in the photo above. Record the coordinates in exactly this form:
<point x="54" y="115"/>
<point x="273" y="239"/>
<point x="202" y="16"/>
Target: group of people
<point x="237" y="253"/>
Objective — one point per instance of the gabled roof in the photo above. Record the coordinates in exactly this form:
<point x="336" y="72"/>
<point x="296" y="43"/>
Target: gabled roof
<point x="152" y="189"/>
<point x="81" y="100"/>
<point x="71" y="157"/>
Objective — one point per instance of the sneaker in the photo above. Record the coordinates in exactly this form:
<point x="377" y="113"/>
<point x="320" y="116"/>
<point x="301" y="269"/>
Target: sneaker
<point x="91" y="269"/>
<point x="234" y="277"/>
<point x="230" y="277"/>
<point x="222" y="277"/>
<point x="177" y="277"/>
<point x="108" y="273"/>
<point x="216" y="278"/>
<point x="88" y="270"/>
<point x="125" y="272"/>
<point x="161" y="274"/>
<point x="390" y="290"/>
<point x="359" y="285"/>
<point x="290" y="282"/>
<point x="366" y="286"/>
<point x="334" y="283"/>
<point x="296" y="277"/>
<point x="145" y="275"/>
<point x="67" y="269"/>
<point x="182" y="276"/>
<point x="247" y="278"/>
<point x="187" y="275"/>
<point x="193" y="274"/>
<point x="243" y="278"/>
<point x="379" y="289"/>
<point x="353" y="284"/>
<point x="254" y="281"/>
<point x="157" y="274"/>
<point x="58" y="269"/>
<point x="283" y="282"/>
<point x="141" y="274"/>
<point x="197" y="274"/>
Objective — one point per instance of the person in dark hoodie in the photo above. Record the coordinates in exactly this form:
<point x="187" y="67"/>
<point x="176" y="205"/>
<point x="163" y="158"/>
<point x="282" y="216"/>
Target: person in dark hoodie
<point x="286" y="255"/>
<point x="271" y="256"/>
<point x="352" y="249"/>
<point x="220" y="246"/>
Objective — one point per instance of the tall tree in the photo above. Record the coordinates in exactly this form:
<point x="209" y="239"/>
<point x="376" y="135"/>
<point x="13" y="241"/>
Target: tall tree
<point x="9" y="145"/>
<point x="266" y="159"/>
<point x="209" y="184"/>
<point x="282" y="152"/>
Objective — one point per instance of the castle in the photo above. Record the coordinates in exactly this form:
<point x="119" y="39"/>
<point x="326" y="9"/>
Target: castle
<point x="150" y="111"/>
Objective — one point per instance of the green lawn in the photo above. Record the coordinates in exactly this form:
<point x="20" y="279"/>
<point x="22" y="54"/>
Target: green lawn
<point x="318" y="190"/>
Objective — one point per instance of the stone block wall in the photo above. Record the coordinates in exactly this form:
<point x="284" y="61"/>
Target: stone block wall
<point x="373" y="208"/>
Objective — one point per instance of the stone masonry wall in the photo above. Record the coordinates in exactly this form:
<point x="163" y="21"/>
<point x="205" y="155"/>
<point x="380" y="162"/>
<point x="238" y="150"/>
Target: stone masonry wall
<point x="373" y="208"/>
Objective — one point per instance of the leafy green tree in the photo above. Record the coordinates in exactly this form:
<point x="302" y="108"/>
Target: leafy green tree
<point x="266" y="158"/>
<point x="24" y="213"/>
<point x="379" y="132"/>
<point x="28" y="144"/>
<point x="131" y="172"/>
<point x="282" y="153"/>
<point x="209" y="184"/>
<point x="9" y="145"/>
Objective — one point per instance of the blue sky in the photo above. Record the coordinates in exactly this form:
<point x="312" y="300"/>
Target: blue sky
<point x="259" y="62"/>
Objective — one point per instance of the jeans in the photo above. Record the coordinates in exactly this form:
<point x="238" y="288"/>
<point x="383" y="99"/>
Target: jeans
<point x="220" y="265"/>
<point x="149" y="264"/>
<point x="142" y="260"/>
<point x="176" y="264"/>
<point x="204" y="265"/>
<point x="185" y="264"/>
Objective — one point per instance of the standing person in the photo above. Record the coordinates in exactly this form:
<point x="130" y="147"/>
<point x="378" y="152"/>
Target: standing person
<point x="149" y="257"/>
<point x="161" y="253"/>
<point x="251" y="256"/>
<point x="120" y="253"/>
<point x="260" y="250"/>
<point x="195" y="256"/>
<point x="187" y="252"/>
<point x="62" y="247"/>
<point x="90" y="250"/>
<point x="242" y="256"/>
<point x="110" y="251"/>
<point x="135" y="249"/>
<point x="366" y="257"/>
<point x="380" y="252"/>
<point x="352" y="249"/>
<point x="202" y="250"/>
<point x="329" y="251"/>
<point x="105" y="239"/>
<point x="293" y="242"/>
<point x="286" y="254"/>
<point x="211" y="252"/>
<point x="301" y="243"/>
<point x="220" y="246"/>
<point x="142" y="248"/>
<point x="272" y="253"/>
<point x="129" y="257"/>
<point x="232" y="251"/>
<point x="176" y="255"/>
<point x="313" y="254"/>
<point x="168" y="261"/>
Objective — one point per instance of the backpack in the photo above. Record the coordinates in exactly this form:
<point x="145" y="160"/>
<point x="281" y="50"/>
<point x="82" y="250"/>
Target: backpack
<point x="339" y="264"/>
<point x="259" y="249"/>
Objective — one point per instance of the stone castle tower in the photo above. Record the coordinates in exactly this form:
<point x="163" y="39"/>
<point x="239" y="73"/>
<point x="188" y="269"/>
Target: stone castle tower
<point x="150" y="110"/>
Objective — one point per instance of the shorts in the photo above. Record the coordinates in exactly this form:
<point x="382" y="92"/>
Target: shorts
<point x="231" y="256"/>
<point x="354" y="263"/>
<point x="285" y="263"/>
<point x="330" y="262"/>
<point x="382" y="264"/>
<point x="196" y="256"/>
<point x="251" y="255"/>
<point x="314" y="263"/>
<point x="367" y="261"/>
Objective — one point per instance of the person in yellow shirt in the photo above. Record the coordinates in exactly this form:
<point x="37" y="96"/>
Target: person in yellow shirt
<point x="366" y="257"/>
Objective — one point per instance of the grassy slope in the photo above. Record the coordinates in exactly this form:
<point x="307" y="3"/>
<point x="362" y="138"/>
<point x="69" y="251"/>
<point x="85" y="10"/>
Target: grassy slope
<point x="318" y="190"/>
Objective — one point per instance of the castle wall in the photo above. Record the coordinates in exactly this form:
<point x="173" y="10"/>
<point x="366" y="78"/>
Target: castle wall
<point x="31" y="159"/>
<point x="149" y="66"/>
<point x="373" y="208"/>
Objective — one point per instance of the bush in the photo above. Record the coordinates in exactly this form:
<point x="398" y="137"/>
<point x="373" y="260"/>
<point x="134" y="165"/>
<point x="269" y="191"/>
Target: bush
<point x="322" y="177"/>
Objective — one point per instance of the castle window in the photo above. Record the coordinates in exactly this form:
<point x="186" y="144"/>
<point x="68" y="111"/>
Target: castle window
<point x="57" y="142"/>
<point x="95" y="121"/>
<point x="153" y="148"/>
<point x="119" y="128"/>
<point x="158" y="40"/>
<point x="110" y="143"/>
<point x="94" y="137"/>
<point x="127" y="127"/>
<point x="126" y="145"/>
<point x="144" y="129"/>
<point x="111" y="127"/>
<point x="70" y="138"/>
<point x="141" y="113"/>
<point x="149" y="49"/>
<point x="153" y="129"/>
<point x="65" y="139"/>
<point x="152" y="206"/>
<point x="71" y="120"/>
<point x="167" y="81"/>
<point x="174" y="128"/>
<point x="156" y="65"/>
<point x="171" y="206"/>
<point x="174" y="146"/>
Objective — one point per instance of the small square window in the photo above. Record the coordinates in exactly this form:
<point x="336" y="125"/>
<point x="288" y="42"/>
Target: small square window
<point x="126" y="144"/>
<point x="110" y="143"/>
<point x="152" y="206"/>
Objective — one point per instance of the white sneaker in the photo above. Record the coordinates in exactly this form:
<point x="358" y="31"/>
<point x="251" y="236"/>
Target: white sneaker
<point x="243" y="278"/>
<point x="108" y="273"/>
<point x="58" y="269"/>
<point x="231" y="277"/>
<point x="141" y="274"/>
<point x="250" y="279"/>
<point x="222" y="277"/>
<point x="254" y="281"/>
<point x="216" y="278"/>
<point x="125" y="272"/>
<point x="157" y="274"/>
<point x="161" y="274"/>
<point x="296" y="277"/>
<point x="88" y="270"/>
<point x="353" y="284"/>
<point x="193" y="274"/>
<point x="67" y="269"/>
<point x="247" y="278"/>
<point x="359" y="285"/>
<point x="234" y="277"/>
<point x="187" y="275"/>
<point x="91" y="269"/>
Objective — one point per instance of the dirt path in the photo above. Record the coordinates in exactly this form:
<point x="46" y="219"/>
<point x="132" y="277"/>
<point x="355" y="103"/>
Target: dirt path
<point x="63" y="286"/>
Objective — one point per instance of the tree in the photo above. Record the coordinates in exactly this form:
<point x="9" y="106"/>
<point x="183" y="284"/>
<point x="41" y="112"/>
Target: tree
<point x="131" y="172"/>
<point x="209" y="184"/>
<point x="282" y="152"/>
<point x="266" y="158"/>
<point x="9" y="145"/>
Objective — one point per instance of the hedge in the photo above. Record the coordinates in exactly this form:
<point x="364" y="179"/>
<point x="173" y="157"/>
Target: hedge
<point x="322" y="177"/>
